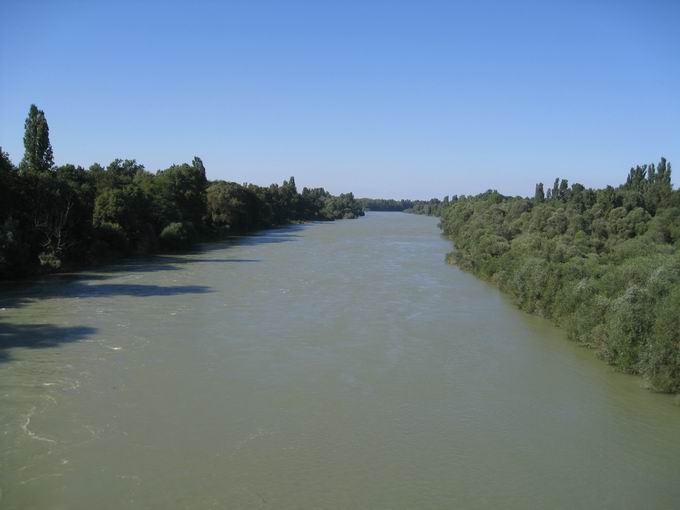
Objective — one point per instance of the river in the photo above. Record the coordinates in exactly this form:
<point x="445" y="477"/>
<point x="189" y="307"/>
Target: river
<point x="323" y="366"/>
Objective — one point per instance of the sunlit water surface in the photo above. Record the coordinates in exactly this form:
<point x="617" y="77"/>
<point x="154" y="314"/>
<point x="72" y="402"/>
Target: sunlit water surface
<point x="338" y="365"/>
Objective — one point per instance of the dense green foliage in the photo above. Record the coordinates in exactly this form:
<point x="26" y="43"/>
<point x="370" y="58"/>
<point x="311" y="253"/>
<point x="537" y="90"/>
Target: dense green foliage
<point x="433" y="207"/>
<point x="56" y="215"/>
<point x="385" y="204"/>
<point x="429" y="207"/>
<point x="605" y="264"/>
<point x="37" y="148"/>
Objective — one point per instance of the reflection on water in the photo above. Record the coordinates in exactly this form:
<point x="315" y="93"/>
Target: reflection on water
<point x="332" y="365"/>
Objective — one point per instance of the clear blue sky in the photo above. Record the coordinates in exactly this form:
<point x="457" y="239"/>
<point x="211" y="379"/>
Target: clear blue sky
<point x="391" y="99"/>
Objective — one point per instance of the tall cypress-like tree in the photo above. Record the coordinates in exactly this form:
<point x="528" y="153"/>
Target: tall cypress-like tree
<point x="38" y="155"/>
<point x="539" y="195"/>
<point x="664" y="173"/>
<point x="564" y="190"/>
<point x="197" y="163"/>
<point x="556" y="189"/>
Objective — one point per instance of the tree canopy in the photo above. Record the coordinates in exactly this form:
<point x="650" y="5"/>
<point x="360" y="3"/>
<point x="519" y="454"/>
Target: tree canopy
<point x="38" y="155"/>
<point x="51" y="216"/>
<point x="603" y="263"/>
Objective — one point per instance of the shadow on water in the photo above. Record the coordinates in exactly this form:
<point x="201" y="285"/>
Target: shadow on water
<point x="167" y="262"/>
<point x="79" y="289"/>
<point x="147" y="264"/>
<point x="255" y="240"/>
<point x="41" y="336"/>
<point x="38" y="336"/>
<point x="179" y="260"/>
<point x="266" y="238"/>
<point x="272" y="236"/>
<point x="92" y="285"/>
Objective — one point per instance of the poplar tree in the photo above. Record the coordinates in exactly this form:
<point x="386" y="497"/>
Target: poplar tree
<point x="539" y="195"/>
<point x="564" y="190"/>
<point x="38" y="155"/>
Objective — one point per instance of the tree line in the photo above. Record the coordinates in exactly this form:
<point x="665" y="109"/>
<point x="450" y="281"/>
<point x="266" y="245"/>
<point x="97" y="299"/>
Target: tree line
<point x="602" y="263"/>
<point x="63" y="216"/>
<point x="429" y="207"/>
<point x="432" y="207"/>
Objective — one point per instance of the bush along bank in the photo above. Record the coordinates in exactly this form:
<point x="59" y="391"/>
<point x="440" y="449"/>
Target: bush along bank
<point x="602" y="263"/>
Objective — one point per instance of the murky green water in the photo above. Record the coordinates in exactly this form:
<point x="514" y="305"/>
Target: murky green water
<point x="338" y="365"/>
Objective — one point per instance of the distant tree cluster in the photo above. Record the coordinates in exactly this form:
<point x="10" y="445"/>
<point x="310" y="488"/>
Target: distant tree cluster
<point x="604" y="263"/>
<point x="432" y="207"/>
<point x="51" y="216"/>
<point x="428" y="207"/>
<point x="385" y="204"/>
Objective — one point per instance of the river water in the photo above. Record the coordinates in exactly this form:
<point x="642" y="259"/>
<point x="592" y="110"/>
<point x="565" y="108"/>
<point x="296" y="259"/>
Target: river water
<point x="334" y="365"/>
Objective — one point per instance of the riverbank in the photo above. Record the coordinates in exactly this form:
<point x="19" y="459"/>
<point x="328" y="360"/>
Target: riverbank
<point x="195" y="244"/>
<point x="55" y="217"/>
<point x="602" y="264"/>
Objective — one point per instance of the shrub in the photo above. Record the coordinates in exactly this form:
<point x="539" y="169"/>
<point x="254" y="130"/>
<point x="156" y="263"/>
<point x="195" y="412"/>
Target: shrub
<point x="113" y="236"/>
<point x="178" y="236"/>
